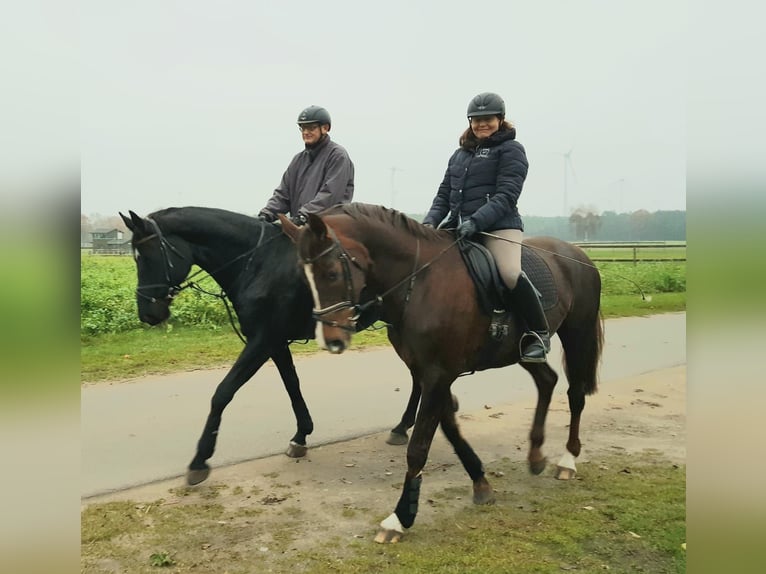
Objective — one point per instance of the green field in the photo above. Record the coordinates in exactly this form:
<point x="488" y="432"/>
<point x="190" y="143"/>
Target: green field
<point x="670" y="251"/>
<point x="116" y="345"/>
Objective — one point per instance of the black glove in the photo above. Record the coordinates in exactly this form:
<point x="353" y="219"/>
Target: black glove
<point x="298" y="219"/>
<point x="466" y="229"/>
<point x="267" y="217"/>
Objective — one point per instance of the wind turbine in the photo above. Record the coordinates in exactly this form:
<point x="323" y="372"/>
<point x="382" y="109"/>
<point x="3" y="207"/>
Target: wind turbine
<point x="567" y="168"/>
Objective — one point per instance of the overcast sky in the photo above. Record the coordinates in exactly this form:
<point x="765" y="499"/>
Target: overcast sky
<point x="195" y="103"/>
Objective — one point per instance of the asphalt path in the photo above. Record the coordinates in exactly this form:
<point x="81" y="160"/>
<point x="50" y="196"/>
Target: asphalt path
<point x="143" y="430"/>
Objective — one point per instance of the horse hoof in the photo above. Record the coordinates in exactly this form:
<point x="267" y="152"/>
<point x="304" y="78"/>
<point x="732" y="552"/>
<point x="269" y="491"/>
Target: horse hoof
<point x="565" y="473"/>
<point x="295" y="450"/>
<point x="196" y="476"/>
<point x="397" y="439"/>
<point x="537" y="466"/>
<point x="386" y="536"/>
<point x="483" y="495"/>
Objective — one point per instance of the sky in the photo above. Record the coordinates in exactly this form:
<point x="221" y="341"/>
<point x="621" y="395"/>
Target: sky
<point x="195" y="103"/>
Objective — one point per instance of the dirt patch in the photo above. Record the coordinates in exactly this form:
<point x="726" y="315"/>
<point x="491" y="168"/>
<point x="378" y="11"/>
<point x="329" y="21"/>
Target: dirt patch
<point x="340" y="492"/>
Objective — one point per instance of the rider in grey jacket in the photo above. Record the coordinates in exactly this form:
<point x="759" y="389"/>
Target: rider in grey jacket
<point x="318" y="177"/>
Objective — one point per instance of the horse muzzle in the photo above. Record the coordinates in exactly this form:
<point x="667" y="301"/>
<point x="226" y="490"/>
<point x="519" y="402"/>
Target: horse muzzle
<point x="153" y="313"/>
<point x="336" y="346"/>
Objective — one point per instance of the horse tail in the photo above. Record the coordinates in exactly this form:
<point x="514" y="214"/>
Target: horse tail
<point x="583" y="345"/>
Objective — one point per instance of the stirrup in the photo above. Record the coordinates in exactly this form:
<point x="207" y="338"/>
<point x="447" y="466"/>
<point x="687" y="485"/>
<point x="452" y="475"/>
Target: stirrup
<point x="536" y="349"/>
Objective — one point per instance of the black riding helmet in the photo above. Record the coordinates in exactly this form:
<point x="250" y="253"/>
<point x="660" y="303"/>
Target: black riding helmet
<point x="486" y="104"/>
<point x="314" y="115"/>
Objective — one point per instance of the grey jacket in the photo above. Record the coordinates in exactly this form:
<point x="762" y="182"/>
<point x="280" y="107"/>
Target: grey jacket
<point x="316" y="178"/>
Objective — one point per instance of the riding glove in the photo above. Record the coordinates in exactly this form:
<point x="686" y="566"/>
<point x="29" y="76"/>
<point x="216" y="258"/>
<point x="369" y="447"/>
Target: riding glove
<point x="266" y="216"/>
<point x="466" y="229"/>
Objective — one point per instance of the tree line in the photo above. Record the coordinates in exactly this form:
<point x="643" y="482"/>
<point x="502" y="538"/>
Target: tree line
<point x="582" y="225"/>
<point x="589" y="225"/>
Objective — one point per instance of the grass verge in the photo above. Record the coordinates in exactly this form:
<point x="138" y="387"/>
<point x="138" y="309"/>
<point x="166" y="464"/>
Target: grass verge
<point x="621" y="515"/>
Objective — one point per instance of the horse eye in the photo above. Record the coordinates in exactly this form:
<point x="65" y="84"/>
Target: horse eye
<point x="332" y="275"/>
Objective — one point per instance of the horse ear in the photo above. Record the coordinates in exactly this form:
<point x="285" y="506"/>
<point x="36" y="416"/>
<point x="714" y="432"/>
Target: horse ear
<point x="139" y="224"/>
<point x="289" y="228"/>
<point x="317" y="226"/>
<point x="128" y="222"/>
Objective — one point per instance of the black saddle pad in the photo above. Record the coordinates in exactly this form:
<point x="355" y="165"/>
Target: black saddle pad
<point x="490" y="287"/>
<point x="540" y="275"/>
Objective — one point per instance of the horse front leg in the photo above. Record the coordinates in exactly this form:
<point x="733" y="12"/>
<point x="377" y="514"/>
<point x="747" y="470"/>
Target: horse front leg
<point x="283" y="359"/>
<point x="483" y="493"/>
<point x="566" y="466"/>
<point x="249" y="361"/>
<point x="433" y="402"/>
<point x="545" y="381"/>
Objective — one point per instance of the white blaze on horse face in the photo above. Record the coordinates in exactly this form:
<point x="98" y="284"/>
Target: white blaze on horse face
<point x="319" y="332"/>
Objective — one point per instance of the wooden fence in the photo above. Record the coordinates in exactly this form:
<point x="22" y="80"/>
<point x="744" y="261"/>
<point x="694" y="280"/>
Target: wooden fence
<point x="635" y="251"/>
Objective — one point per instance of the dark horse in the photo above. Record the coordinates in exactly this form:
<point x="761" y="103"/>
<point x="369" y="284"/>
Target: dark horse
<point x="255" y="265"/>
<point x="439" y="330"/>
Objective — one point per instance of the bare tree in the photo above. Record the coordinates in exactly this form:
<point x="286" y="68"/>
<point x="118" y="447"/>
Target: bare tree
<point x="586" y="222"/>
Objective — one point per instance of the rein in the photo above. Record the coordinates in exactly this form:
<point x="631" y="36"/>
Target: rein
<point x="643" y="297"/>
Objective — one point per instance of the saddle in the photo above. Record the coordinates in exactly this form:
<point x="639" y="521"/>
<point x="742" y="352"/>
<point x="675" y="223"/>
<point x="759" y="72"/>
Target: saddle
<point x="490" y="288"/>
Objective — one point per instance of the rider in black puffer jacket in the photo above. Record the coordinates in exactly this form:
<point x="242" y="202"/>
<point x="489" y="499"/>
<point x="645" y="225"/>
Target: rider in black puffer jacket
<point x="479" y="192"/>
<point x="483" y="182"/>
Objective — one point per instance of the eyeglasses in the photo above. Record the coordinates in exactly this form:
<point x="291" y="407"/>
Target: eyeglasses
<point x="483" y="119"/>
<point x="308" y="127"/>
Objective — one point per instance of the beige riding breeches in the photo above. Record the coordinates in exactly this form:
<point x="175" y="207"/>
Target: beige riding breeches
<point x="507" y="254"/>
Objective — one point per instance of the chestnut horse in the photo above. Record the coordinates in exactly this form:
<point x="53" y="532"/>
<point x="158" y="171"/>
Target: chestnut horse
<point x="353" y="252"/>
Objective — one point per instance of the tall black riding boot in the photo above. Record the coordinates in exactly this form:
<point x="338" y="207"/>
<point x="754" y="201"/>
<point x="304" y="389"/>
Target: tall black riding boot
<point x="536" y="341"/>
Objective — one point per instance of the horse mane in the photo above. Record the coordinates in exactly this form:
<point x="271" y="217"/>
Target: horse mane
<point x="206" y="221"/>
<point x="385" y="215"/>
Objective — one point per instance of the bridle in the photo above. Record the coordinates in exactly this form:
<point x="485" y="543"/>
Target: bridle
<point x="175" y="289"/>
<point x="346" y="260"/>
<point x="350" y="303"/>
<point x="165" y="245"/>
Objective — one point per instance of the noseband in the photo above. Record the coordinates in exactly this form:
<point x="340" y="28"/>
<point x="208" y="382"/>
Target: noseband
<point x="173" y="290"/>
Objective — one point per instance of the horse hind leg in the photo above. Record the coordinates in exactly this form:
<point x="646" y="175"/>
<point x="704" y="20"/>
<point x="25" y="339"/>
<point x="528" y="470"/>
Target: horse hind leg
<point x="398" y="434"/>
<point x="545" y="380"/>
<point x="283" y="359"/>
<point x="582" y="352"/>
<point x="566" y="468"/>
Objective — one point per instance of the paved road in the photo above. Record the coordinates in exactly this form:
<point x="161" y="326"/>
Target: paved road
<point x="146" y="430"/>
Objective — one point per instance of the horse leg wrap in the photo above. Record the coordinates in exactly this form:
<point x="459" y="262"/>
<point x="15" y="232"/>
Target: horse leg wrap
<point x="566" y="467"/>
<point x="407" y="508"/>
